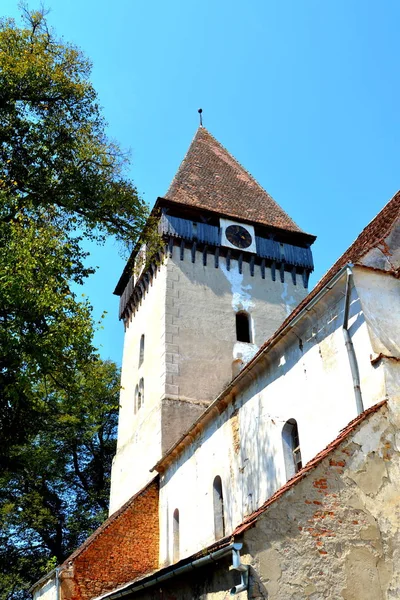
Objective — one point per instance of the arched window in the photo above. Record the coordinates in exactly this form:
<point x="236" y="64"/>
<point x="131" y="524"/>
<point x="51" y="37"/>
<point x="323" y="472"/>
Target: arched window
<point x="175" y="533"/>
<point x="141" y="350"/>
<point x="136" y="405"/>
<point x="291" y="448"/>
<point x="243" y="327"/>
<point x="219" y="518"/>
<point x="141" y="393"/>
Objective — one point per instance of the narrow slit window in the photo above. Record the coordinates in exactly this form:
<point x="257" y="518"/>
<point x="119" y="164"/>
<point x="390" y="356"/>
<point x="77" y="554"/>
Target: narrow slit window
<point x="219" y="518"/>
<point x="175" y="532"/>
<point x="141" y="393"/>
<point x="141" y="351"/>
<point x="291" y="448"/>
<point x="136" y="401"/>
<point x="243" y="327"/>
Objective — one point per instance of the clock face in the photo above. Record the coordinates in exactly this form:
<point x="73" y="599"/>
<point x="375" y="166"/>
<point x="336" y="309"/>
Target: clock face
<point x="238" y="236"/>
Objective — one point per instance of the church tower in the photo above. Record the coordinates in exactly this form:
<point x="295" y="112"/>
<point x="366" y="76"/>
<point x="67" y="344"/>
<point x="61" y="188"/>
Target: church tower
<point x="234" y="266"/>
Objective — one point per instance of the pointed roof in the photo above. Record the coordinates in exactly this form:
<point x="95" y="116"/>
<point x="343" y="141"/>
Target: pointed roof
<point x="210" y="178"/>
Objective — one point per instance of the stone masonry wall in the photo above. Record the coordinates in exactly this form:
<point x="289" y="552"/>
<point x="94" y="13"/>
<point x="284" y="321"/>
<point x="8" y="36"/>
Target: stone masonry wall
<point x="123" y="548"/>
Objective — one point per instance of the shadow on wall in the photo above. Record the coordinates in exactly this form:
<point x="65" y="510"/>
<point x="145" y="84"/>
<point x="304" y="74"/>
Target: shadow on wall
<point x="259" y="475"/>
<point x="257" y="589"/>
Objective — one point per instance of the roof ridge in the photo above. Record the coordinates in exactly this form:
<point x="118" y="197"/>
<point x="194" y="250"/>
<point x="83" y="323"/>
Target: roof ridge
<point x="250" y="175"/>
<point x="211" y="178"/>
<point x="243" y="168"/>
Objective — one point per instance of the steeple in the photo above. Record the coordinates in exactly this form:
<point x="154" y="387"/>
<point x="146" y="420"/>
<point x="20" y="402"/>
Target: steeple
<point x="210" y="178"/>
<point x="232" y="266"/>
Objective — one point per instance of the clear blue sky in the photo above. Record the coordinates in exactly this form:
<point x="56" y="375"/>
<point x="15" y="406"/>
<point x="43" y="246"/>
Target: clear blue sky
<point x="304" y="93"/>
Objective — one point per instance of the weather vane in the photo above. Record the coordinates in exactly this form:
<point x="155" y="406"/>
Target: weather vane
<point x="201" y="118"/>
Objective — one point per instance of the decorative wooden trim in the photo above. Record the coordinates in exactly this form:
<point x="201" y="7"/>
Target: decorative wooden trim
<point x="305" y="276"/>
<point x="182" y="252"/>
<point x="194" y="252"/>
<point x="205" y="256"/>
<point x="282" y="272"/>
<point x="216" y="257"/>
<point x="294" y="275"/>
<point x="228" y="260"/>
<point x="262" y="268"/>
<point x="240" y="262"/>
<point x="273" y="271"/>
<point x="252" y="266"/>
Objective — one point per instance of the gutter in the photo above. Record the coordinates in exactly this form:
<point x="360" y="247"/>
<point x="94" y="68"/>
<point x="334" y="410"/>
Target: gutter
<point x="213" y="407"/>
<point x="172" y="572"/>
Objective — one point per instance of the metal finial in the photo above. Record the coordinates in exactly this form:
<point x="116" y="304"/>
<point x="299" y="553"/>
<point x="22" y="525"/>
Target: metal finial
<point x="201" y="118"/>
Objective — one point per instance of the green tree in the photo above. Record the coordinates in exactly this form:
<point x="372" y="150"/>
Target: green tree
<point x="55" y="157"/>
<point x="61" y="181"/>
<point x="54" y="491"/>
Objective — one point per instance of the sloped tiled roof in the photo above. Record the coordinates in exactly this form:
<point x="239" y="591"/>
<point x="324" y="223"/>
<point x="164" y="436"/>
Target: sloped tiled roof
<point x="211" y="179"/>
<point x="371" y="236"/>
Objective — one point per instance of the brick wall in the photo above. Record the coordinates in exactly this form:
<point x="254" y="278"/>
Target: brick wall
<point x="123" y="548"/>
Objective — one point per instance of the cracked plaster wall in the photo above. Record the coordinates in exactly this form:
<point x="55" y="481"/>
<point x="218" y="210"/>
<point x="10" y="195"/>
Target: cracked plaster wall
<point x="334" y="535"/>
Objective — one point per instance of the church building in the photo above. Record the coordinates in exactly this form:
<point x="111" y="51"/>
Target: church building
<point x="258" y="448"/>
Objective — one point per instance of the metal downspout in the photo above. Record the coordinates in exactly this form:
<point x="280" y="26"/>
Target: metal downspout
<point x="243" y="570"/>
<point x="57" y="583"/>
<point x="349" y="346"/>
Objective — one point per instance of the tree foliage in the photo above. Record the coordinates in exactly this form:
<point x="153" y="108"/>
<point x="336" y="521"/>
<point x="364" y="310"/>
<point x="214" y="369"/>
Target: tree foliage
<point x="55" y="156"/>
<point x="54" y="489"/>
<point x="61" y="181"/>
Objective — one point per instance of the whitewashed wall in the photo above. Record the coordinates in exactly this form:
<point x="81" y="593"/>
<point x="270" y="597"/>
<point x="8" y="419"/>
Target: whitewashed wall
<point x="308" y="380"/>
<point x="46" y="591"/>
<point x="137" y="450"/>
<point x="188" y="319"/>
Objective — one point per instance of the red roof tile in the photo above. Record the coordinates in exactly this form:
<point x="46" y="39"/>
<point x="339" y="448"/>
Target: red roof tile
<point x="370" y="237"/>
<point x="312" y="464"/>
<point x="211" y="179"/>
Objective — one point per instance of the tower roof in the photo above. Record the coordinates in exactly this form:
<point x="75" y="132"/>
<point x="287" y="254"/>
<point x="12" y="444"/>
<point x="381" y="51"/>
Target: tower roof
<point x="210" y="178"/>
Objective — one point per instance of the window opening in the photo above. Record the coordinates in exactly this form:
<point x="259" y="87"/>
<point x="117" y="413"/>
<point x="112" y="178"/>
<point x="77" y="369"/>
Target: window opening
<point x="136" y="401"/>
<point x="243" y="329"/>
<point x="175" y="531"/>
<point x="141" y="350"/>
<point x="141" y="393"/>
<point x="291" y="448"/>
<point x="219" y="519"/>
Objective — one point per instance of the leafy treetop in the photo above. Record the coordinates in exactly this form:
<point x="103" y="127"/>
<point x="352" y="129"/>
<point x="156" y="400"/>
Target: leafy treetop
<point x="54" y="153"/>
